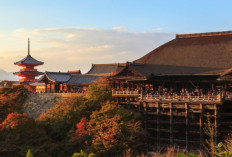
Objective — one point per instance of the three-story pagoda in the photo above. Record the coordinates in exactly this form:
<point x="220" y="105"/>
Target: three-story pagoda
<point x="28" y="72"/>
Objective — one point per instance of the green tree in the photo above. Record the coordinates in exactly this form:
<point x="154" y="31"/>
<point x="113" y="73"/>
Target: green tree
<point x="99" y="91"/>
<point x="59" y="119"/>
<point x="83" y="154"/>
<point x="29" y="153"/>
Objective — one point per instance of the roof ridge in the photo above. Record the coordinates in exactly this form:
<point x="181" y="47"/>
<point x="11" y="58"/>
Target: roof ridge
<point x="58" y="72"/>
<point x="102" y="64"/>
<point x="194" y="35"/>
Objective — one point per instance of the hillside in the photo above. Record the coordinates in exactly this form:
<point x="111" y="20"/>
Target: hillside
<point x="7" y="76"/>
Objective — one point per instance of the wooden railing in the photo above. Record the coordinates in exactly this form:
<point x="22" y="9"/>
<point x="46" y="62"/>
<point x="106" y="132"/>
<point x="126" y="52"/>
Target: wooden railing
<point x="62" y="94"/>
<point x="181" y="98"/>
<point x="134" y="93"/>
<point x="168" y="98"/>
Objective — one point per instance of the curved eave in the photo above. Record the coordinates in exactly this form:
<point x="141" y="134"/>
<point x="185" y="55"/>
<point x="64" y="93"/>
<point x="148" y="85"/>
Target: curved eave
<point x="51" y="79"/>
<point x="27" y="73"/>
<point x="31" y="64"/>
<point x="45" y="76"/>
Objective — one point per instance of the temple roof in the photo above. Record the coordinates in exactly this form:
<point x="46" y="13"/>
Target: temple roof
<point x="106" y="69"/>
<point x="66" y="77"/>
<point x="60" y="77"/>
<point x="202" y="53"/>
<point x="82" y="79"/>
<point x="28" y="72"/>
<point x="29" y="60"/>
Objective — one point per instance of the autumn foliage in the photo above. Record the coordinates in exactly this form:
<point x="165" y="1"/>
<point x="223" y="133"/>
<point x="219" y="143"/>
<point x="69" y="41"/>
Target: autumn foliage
<point x="93" y="124"/>
<point x="16" y="121"/>
<point x="11" y="100"/>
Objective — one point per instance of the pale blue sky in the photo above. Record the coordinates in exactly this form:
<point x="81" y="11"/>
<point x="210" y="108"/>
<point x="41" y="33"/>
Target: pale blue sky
<point x="179" y="16"/>
<point x="71" y="34"/>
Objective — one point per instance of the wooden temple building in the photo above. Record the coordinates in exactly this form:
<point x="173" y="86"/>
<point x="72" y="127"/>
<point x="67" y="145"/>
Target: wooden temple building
<point x="177" y="87"/>
<point x="74" y="81"/>
<point x="67" y="82"/>
<point x="28" y="71"/>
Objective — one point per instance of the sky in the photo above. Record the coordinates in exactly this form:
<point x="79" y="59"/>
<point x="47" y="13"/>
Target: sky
<point x="74" y="34"/>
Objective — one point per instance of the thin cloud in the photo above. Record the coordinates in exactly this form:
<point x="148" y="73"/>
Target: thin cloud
<point x="71" y="48"/>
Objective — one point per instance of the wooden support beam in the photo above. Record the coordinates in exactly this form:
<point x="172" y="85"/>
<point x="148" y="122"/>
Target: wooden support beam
<point x="158" y="126"/>
<point x="215" y="124"/>
<point x="171" y="124"/>
<point x="200" y="125"/>
<point x="187" y="126"/>
<point x="46" y="87"/>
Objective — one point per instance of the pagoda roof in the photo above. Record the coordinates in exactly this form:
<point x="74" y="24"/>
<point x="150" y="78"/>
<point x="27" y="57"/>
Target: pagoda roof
<point x="29" y="60"/>
<point x="190" y="54"/>
<point x="106" y="69"/>
<point x="28" y="72"/>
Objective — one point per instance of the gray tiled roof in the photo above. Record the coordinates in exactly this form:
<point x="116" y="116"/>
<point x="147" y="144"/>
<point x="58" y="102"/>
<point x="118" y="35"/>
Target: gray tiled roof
<point x="56" y="76"/>
<point x="59" y="77"/>
<point x="82" y="79"/>
<point x="28" y="72"/>
<point x="190" y="54"/>
<point x="29" y="60"/>
<point x="106" y="69"/>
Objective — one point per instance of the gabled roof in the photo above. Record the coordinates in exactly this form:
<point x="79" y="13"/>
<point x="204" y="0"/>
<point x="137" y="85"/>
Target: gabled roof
<point x="82" y="79"/>
<point x="128" y="73"/>
<point x="106" y="69"/>
<point x="59" y="77"/>
<point x="29" y="60"/>
<point x="191" y="54"/>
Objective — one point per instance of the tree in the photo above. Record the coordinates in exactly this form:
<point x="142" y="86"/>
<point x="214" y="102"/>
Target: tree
<point x="115" y="130"/>
<point x="83" y="154"/>
<point x="59" y="119"/>
<point x="11" y="100"/>
<point x="29" y="153"/>
<point x="16" y="121"/>
<point x="99" y="91"/>
<point x="82" y="133"/>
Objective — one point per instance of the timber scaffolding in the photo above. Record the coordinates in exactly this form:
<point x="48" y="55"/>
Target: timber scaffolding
<point x="179" y="120"/>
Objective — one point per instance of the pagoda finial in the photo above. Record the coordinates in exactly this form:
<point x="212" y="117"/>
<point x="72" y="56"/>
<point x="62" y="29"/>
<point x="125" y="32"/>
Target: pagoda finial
<point x="28" y="51"/>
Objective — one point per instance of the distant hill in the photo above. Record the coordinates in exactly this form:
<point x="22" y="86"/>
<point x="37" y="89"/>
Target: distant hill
<point x="7" y="76"/>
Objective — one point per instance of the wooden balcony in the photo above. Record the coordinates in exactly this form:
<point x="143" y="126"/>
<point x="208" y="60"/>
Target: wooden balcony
<point x="181" y="98"/>
<point x="148" y="97"/>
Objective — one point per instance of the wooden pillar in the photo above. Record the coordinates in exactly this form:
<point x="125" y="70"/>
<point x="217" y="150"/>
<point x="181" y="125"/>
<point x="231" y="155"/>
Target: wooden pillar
<point x="113" y="83"/>
<point x="46" y="88"/>
<point x="213" y="86"/>
<point x="171" y="124"/>
<point x="187" y="126"/>
<point x="50" y="87"/>
<point x="145" y="109"/>
<point x="215" y="124"/>
<point x="158" y="126"/>
<point x="62" y="87"/>
<point x="201" y="125"/>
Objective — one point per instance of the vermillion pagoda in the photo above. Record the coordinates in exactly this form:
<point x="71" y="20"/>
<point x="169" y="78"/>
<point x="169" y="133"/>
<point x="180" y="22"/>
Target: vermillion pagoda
<point x="28" y="72"/>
